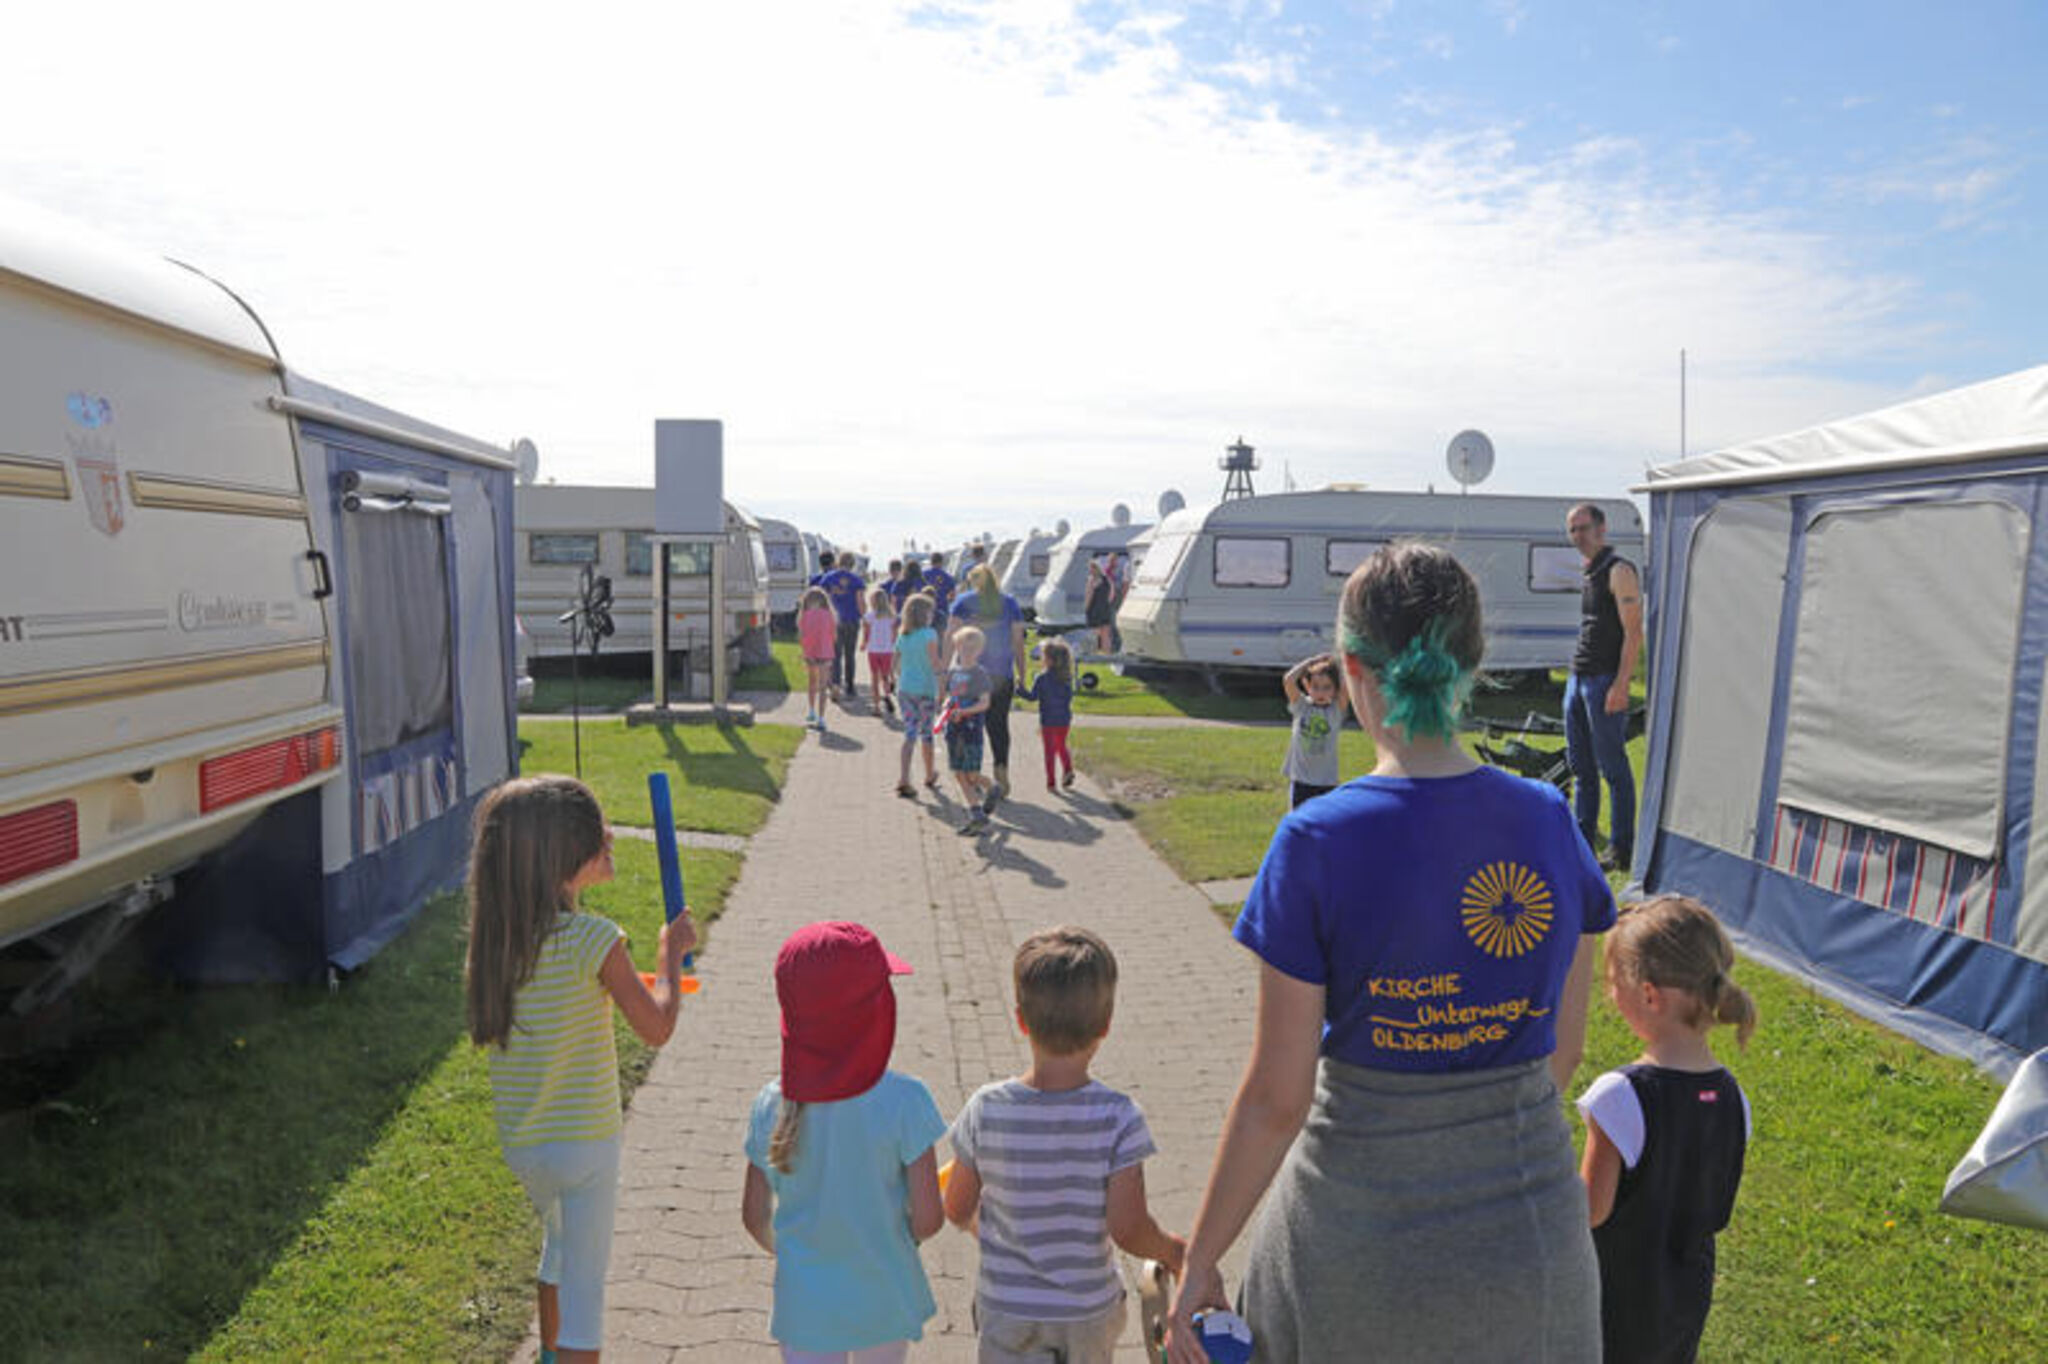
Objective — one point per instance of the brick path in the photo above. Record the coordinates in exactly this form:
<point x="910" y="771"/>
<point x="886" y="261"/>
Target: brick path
<point x="686" y="1282"/>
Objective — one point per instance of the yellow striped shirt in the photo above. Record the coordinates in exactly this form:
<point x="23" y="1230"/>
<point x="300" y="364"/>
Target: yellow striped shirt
<point x="558" y="1079"/>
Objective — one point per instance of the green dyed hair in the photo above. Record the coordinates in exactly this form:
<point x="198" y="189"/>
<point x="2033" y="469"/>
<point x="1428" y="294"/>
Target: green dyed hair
<point x="1410" y="613"/>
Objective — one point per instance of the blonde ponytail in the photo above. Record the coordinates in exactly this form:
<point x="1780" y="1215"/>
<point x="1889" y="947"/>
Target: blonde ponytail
<point x="1676" y="943"/>
<point x="782" y="1142"/>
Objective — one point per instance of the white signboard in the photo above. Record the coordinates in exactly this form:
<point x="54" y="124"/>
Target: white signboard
<point x="689" y="477"/>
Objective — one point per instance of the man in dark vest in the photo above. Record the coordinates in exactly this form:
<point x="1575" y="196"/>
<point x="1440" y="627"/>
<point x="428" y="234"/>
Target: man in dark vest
<point x="1596" y="696"/>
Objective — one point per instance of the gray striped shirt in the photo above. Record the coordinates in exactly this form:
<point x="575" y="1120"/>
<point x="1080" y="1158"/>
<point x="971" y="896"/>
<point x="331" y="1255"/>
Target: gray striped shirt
<point x="1044" y="1159"/>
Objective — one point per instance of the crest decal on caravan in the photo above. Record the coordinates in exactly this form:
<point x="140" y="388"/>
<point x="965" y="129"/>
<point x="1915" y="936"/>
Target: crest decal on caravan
<point x="92" y="453"/>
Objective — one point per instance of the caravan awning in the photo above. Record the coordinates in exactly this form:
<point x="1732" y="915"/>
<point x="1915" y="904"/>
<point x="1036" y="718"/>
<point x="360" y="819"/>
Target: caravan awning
<point x="1992" y="420"/>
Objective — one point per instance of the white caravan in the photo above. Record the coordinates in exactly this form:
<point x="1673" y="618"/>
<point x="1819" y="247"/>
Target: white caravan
<point x="1253" y="582"/>
<point x="223" y="671"/>
<point x="1061" y="599"/>
<point x="789" y="569"/>
<point x="562" y="529"/>
<point x="1030" y="559"/>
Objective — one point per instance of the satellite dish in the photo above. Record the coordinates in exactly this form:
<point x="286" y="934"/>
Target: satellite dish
<point x="1062" y="528"/>
<point x="1470" y="457"/>
<point x="1120" y="515"/>
<point x="526" y="460"/>
<point x="1170" y="502"/>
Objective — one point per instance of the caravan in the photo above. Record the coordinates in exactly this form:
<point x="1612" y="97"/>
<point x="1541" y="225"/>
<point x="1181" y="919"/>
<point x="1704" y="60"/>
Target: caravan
<point x="782" y="548"/>
<point x="1253" y="582"/>
<point x="256" y="646"/>
<point x="1030" y="560"/>
<point x="1847" y="756"/>
<point x="1061" y="599"/>
<point x="564" y="529"/>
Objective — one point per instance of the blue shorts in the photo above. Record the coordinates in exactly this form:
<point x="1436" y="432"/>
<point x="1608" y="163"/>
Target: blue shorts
<point x="963" y="748"/>
<point x="574" y="1186"/>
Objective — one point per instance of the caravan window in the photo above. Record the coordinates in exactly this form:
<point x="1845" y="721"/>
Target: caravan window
<point x="552" y="547"/>
<point x="395" y="610"/>
<point x="784" y="558"/>
<point x="1041" y="564"/>
<point x="1253" y="561"/>
<point x="1555" y="568"/>
<point x="1903" y="669"/>
<point x="690" y="559"/>
<point x="1341" y="557"/>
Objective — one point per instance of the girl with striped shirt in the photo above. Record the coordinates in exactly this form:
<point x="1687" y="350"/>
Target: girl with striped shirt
<point x="541" y="982"/>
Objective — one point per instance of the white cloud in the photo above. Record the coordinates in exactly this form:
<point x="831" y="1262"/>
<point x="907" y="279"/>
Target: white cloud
<point x="988" y="269"/>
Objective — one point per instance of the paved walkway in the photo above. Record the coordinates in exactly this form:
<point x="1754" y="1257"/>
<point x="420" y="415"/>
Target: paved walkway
<point x="686" y="1283"/>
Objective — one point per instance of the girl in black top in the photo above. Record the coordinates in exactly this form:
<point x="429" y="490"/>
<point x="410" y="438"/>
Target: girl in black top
<point x="1665" y="1136"/>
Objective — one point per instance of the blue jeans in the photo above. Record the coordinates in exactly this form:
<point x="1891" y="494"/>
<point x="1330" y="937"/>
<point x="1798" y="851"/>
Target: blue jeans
<point x="1596" y="746"/>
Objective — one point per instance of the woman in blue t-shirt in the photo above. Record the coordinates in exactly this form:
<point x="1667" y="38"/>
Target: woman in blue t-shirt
<point x="1426" y="959"/>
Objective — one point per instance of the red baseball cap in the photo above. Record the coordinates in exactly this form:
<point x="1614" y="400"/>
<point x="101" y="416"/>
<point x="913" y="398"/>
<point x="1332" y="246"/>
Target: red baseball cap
<point x="838" y="1011"/>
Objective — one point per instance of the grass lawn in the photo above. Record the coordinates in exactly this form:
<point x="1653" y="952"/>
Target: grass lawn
<point x="785" y="674"/>
<point x="610" y="684"/>
<point x="267" y="1172"/>
<point x="600" y="695"/>
<point x="1208" y="799"/>
<point x="725" y="777"/>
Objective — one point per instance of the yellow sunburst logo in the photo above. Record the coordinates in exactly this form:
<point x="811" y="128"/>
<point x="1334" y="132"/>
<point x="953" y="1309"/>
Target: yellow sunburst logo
<point x="1506" y="908"/>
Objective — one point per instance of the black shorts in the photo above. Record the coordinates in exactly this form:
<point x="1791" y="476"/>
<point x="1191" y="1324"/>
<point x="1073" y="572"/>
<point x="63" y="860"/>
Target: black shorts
<point x="1307" y="791"/>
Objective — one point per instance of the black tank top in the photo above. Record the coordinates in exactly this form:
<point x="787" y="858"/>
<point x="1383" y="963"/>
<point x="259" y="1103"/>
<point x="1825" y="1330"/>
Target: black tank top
<point x="1599" y="651"/>
<point x="1657" y="1246"/>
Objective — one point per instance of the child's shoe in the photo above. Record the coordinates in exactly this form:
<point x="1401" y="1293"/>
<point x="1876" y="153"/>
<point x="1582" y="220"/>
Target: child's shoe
<point x="1068" y="780"/>
<point x="990" y="801"/>
<point x="976" y="822"/>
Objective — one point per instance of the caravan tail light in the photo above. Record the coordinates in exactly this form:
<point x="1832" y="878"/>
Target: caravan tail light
<point x="237" y="776"/>
<point x="38" y="839"/>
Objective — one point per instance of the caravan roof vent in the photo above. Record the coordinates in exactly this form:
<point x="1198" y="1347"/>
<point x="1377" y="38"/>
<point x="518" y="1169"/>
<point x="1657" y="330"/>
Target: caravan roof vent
<point x="1170" y="502"/>
<point x="1120" y="515"/>
<point x="1062" y="528"/>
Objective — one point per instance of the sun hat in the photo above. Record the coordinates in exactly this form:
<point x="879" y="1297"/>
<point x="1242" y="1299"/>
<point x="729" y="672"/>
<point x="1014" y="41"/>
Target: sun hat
<point x="838" y="1011"/>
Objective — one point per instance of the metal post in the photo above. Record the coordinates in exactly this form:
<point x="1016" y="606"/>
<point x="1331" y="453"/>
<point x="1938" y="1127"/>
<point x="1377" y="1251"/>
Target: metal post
<point x="661" y="623"/>
<point x="718" y="678"/>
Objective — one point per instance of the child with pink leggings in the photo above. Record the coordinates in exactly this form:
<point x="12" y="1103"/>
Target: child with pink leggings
<point x="1053" y="690"/>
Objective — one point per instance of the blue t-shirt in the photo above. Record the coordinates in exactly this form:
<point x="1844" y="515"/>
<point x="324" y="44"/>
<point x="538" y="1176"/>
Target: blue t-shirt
<point x="846" y="590"/>
<point x="847" y="1274"/>
<point x="1440" y="916"/>
<point x="997" y="656"/>
<point x="1055" y="699"/>
<point x="899" y="590"/>
<point x="941" y="584"/>
<point x="914" y="674"/>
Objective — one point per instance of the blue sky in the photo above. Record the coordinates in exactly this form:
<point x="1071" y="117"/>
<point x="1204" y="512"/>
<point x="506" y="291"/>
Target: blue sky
<point x="1910" y="136"/>
<point x="955" y="267"/>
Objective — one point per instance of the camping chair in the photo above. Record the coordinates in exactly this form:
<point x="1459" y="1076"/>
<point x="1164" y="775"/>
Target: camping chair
<point x="1513" y="751"/>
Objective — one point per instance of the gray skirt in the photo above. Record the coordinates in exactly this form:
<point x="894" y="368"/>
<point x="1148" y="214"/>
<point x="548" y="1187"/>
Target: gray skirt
<point x="1426" y="1217"/>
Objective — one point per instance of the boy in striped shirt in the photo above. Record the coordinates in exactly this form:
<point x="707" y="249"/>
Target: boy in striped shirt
<point x="1051" y="1165"/>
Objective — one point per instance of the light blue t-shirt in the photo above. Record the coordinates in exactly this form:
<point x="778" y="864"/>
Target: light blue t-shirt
<point x="847" y="1273"/>
<point x="1439" y="915"/>
<point x="914" y="675"/>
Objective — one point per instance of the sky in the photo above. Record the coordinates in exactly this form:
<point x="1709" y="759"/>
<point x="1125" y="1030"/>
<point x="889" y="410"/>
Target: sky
<point x="954" y="268"/>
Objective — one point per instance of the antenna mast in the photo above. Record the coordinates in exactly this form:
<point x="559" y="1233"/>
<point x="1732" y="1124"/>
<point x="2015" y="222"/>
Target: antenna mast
<point x="1681" y="402"/>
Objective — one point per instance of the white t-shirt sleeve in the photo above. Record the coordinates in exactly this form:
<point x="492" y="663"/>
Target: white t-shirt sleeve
<point x="1611" y="1102"/>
